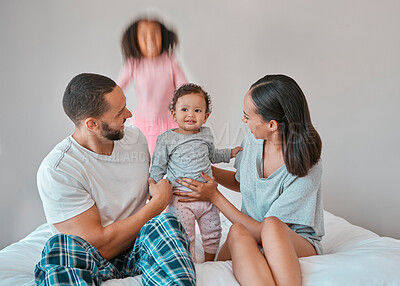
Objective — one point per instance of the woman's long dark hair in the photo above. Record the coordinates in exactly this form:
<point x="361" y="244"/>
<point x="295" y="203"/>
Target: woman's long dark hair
<point x="280" y="98"/>
<point x="130" y="46"/>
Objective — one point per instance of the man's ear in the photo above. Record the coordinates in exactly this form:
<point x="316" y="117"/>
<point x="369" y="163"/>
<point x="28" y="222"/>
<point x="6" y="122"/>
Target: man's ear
<point x="92" y="124"/>
<point x="173" y="113"/>
<point x="206" y="116"/>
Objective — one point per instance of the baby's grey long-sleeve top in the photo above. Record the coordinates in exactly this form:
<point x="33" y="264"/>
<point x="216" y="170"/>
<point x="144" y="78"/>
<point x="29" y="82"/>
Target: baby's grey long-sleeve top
<point x="185" y="155"/>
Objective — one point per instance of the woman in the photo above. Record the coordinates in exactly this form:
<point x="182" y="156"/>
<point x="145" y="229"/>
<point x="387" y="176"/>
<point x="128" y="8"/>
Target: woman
<point x="279" y="176"/>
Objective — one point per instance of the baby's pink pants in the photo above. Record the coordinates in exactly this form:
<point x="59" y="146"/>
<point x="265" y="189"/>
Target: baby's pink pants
<point x="207" y="217"/>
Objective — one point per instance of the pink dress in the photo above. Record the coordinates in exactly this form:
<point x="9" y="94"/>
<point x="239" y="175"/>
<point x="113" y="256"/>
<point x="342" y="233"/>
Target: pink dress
<point x="155" y="81"/>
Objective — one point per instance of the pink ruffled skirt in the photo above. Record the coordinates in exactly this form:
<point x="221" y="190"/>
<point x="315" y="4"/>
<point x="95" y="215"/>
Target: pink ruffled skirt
<point x="151" y="129"/>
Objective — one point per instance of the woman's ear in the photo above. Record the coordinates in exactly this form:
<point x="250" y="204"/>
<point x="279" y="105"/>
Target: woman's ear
<point x="273" y="125"/>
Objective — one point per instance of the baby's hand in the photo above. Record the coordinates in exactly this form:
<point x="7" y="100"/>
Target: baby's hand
<point x="235" y="151"/>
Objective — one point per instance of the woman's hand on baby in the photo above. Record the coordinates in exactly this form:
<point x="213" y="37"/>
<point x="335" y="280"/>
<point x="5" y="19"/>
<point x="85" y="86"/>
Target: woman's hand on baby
<point x="201" y="191"/>
<point x="235" y="151"/>
<point x="161" y="191"/>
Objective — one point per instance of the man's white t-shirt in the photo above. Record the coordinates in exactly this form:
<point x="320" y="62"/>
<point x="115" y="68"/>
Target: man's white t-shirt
<point x="71" y="179"/>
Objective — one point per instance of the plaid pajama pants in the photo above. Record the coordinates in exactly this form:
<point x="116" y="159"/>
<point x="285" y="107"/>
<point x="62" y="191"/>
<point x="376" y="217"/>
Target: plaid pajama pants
<point x="161" y="254"/>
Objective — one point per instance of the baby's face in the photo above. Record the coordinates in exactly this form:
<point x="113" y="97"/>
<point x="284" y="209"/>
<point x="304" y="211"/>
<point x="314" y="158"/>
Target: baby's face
<point x="190" y="113"/>
<point x="149" y="38"/>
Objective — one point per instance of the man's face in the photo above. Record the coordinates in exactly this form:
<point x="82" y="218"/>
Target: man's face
<point x="110" y="133"/>
<point x="112" y="122"/>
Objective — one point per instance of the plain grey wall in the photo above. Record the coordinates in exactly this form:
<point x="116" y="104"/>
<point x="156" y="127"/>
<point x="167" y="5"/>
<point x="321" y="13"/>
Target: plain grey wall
<point x="344" y="54"/>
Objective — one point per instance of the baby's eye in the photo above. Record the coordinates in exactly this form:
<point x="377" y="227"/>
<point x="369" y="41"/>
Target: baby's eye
<point x="197" y="110"/>
<point x="184" y="109"/>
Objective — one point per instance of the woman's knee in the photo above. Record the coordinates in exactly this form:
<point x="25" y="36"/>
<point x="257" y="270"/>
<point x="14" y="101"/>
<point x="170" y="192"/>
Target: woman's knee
<point x="238" y="233"/>
<point x="272" y="227"/>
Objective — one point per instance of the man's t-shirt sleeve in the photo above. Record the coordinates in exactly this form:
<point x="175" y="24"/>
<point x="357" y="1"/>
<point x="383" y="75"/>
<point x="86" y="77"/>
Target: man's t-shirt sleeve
<point x="63" y="196"/>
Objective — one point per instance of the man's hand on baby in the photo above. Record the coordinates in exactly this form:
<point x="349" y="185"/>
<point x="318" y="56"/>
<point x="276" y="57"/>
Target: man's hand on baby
<point x="235" y="151"/>
<point x="161" y="191"/>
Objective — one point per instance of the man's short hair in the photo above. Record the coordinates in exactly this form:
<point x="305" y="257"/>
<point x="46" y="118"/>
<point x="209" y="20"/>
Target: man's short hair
<point x="84" y="96"/>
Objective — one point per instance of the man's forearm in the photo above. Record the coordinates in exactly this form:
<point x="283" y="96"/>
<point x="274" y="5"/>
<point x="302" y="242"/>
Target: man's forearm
<point x="121" y="235"/>
<point x="116" y="237"/>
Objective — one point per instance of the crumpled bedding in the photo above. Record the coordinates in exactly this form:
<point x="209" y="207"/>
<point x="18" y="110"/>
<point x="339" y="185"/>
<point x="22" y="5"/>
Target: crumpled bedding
<point x="353" y="256"/>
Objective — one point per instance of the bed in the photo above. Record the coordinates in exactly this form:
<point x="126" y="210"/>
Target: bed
<point x="352" y="256"/>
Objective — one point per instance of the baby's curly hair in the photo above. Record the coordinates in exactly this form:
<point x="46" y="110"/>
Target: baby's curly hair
<point x="188" y="88"/>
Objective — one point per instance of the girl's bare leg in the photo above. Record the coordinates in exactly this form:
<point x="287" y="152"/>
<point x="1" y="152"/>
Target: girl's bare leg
<point x="248" y="263"/>
<point x="283" y="247"/>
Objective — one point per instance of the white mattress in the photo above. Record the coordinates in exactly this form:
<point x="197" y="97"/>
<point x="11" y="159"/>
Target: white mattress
<point x="353" y="256"/>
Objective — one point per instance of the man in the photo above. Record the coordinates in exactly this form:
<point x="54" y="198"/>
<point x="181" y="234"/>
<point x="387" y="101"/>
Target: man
<point x="94" y="187"/>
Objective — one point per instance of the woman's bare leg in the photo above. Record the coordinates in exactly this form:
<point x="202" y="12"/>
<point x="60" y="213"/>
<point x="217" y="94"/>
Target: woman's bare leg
<point x="283" y="247"/>
<point x="208" y="256"/>
<point x="248" y="263"/>
<point x="224" y="253"/>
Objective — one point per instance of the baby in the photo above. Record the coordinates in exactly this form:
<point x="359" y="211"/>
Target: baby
<point x="186" y="152"/>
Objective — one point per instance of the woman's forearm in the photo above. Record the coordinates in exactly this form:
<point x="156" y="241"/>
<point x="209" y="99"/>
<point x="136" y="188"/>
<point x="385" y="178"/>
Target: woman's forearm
<point x="236" y="216"/>
<point x="226" y="178"/>
<point x="208" y="191"/>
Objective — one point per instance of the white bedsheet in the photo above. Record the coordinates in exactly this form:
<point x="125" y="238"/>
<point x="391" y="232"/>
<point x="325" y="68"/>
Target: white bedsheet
<point x="353" y="256"/>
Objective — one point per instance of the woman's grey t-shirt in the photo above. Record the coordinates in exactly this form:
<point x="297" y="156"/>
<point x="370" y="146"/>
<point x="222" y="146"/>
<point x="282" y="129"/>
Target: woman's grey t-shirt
<point x="185" y="155"/>
<point x="294" y="200"/>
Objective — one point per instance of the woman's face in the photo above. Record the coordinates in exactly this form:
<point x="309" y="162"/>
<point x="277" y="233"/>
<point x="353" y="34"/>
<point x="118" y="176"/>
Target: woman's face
<point x="257" y="125"/>
<point x="149" y="38"/>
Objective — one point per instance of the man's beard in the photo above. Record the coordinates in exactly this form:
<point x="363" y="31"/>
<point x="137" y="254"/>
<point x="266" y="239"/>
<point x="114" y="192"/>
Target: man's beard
<point x="111" y="134"/>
